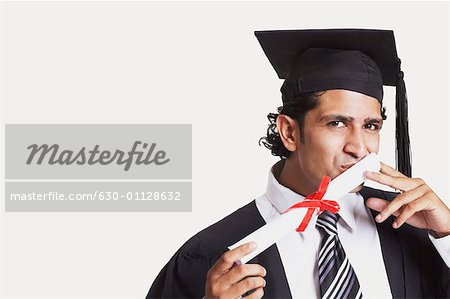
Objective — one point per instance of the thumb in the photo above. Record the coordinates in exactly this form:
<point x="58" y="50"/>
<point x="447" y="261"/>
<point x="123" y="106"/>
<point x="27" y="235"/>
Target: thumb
<point x="376" y="204"/>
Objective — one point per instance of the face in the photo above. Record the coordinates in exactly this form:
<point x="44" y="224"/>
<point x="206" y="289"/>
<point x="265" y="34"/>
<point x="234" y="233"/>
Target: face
<point x="340" y="131"/>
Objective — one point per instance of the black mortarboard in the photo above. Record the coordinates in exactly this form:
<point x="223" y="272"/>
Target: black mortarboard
<point x="360" y="60"/>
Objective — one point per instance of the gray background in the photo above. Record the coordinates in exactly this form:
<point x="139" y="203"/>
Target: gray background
<point x="175" y="140"/>
<point x="182" y="63"/>
<point x="124" y="190"/>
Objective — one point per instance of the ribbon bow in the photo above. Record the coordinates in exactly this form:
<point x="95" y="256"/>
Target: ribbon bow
<point x="314" y="201"/>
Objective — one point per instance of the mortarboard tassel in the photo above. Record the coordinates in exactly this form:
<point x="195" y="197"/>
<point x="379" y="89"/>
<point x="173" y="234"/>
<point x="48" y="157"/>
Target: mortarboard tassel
<point x="403" y="154"/>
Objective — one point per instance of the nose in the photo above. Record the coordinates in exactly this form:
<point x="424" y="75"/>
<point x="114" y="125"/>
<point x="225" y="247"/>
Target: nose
<point x="355" y="144"/>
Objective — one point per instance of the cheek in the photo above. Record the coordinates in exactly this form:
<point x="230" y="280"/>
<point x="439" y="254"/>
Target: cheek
<point x="329" y="144"/>
<point x="373" y="143"/>
<point x="324" y="148"/>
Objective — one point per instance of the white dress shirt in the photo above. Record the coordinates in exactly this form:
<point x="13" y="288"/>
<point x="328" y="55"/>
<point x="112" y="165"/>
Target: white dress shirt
<point x="358" y="235"/>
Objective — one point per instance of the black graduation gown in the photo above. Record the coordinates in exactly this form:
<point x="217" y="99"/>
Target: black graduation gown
<point x="414" y="267"/>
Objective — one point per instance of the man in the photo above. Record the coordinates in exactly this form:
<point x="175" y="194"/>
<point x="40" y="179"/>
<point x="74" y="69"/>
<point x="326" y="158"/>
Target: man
<point x="380" y="244"/>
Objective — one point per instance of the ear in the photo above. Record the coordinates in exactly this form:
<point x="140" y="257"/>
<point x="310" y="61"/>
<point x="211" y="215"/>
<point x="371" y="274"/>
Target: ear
<point x="289" y="132"/>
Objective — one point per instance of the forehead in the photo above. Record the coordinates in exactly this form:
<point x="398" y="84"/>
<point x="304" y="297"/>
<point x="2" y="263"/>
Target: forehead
<point x="349" y="103"/>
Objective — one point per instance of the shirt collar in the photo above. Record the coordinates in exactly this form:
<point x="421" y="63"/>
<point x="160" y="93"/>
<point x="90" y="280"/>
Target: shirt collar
<point x="283" y="198"/>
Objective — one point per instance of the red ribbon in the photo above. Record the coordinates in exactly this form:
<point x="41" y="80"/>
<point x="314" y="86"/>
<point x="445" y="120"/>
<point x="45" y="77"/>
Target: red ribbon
<point x="314" y="201"/>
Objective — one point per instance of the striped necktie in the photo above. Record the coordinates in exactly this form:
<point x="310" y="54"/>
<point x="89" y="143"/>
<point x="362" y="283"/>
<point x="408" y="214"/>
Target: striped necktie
<point x="336" y="276"/>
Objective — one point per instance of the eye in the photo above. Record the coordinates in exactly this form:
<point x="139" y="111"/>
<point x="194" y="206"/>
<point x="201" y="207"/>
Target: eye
<point x="336" y="123"/>
<point x="372" y="127"/>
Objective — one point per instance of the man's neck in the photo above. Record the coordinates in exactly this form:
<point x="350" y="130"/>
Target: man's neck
<point x="289" y="175"/>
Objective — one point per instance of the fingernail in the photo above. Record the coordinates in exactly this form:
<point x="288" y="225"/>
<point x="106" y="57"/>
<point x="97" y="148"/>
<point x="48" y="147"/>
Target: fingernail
<point x="264" y="284"/>
<point x="395" y="224"/>
<point x="378" y="218"/>
<point x="265" y="272"/>
<point x="252" y="246"/>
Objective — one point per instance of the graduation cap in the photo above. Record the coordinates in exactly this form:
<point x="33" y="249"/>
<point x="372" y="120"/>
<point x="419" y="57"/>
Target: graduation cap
<point x="361" y="60"/>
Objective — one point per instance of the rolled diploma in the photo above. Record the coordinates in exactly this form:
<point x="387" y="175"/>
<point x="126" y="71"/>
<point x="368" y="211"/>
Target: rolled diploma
<point x="286" y="223"/>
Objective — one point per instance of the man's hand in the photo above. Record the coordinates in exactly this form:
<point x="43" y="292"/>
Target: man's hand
<point x="417" y="205"/>
<point x="225" y="279"/>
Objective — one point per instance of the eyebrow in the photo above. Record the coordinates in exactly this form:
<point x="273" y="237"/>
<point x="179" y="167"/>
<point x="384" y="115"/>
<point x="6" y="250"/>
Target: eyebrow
<point x="371" y="120"/>
<point x="340" y="117"/>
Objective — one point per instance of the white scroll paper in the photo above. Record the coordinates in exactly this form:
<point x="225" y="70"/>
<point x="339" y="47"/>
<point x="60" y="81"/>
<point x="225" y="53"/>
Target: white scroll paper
<point x="286" y="223"/>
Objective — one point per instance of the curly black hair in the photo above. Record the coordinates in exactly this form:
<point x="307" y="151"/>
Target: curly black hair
<point x="295" y="108"/>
